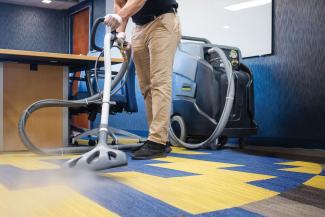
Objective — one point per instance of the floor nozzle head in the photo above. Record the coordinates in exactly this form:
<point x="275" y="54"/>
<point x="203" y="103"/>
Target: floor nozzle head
<point x="100" y="158"/>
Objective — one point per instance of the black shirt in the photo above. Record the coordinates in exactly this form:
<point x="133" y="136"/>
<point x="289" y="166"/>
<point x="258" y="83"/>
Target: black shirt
<point x="152" y="9"/>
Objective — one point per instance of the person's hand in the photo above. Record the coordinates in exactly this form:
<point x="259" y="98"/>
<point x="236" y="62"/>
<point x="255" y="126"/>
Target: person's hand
<point x="113" y="20"/>
<point x="120" y="38"/>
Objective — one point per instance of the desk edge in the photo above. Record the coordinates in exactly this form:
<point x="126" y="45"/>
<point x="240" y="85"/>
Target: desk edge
<point x="62" y="56"/>
<point x="1" y="107"/>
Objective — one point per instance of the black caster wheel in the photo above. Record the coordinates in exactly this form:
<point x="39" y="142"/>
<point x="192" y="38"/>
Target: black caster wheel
<point x="92" y="142"/>
<point x="76" y="143"/>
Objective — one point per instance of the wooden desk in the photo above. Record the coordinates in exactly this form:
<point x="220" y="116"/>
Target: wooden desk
<point x="21" y="86"/>
<point x="44" y="58"/>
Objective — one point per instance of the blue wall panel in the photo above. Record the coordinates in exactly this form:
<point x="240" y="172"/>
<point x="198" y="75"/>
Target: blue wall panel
<point x="289" y="85"/>
<point x="36" y="29"/>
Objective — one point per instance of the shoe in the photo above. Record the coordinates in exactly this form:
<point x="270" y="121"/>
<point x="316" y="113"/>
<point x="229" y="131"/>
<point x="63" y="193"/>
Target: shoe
<point x="168" y="147"/>
<point x="150" y="150"/>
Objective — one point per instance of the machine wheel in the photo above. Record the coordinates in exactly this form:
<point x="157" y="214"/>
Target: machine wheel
<point x="222" y="142"/>
<point x="177" y="124"/>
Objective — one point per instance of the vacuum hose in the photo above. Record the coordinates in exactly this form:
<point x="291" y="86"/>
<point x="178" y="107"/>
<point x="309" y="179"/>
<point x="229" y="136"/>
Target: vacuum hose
<point x="213" y="139"/>
<point x="46" y="104"/>
<point x="68" y="103"/>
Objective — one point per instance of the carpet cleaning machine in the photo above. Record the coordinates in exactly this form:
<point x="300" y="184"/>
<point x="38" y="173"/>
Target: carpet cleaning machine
<point x="200" y="71"/>
<point x="213" y="96"/>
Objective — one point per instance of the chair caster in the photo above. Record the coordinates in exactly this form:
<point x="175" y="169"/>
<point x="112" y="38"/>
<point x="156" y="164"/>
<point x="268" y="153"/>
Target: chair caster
<point x="92" y="142"/>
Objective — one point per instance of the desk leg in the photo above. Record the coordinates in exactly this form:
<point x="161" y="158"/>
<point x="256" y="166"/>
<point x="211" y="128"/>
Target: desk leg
<point x="1" y="107"/>
<point x="65" y="110"/>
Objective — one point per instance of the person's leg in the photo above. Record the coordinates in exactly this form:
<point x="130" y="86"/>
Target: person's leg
<point x="141" y="60"/>
<point x="162" y="37"/>
<point x="163" y="41"/>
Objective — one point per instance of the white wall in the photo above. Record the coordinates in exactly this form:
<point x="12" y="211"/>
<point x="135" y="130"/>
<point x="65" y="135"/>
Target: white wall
<point x="249" y="29"/>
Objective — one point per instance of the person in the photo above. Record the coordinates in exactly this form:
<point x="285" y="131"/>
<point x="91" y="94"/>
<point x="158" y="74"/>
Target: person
<point x="154" y="42"/>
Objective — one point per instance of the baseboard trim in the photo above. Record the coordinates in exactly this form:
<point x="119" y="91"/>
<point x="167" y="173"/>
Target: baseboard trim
<point x="301" y="143"/>
<point x="289" y="151"/>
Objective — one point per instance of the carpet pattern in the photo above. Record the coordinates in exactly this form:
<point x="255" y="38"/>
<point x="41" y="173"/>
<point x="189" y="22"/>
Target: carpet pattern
<point x="186" y="183"/>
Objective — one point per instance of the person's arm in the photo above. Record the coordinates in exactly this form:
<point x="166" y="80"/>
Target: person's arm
<point x="126" y="9"/>
<point x="118" y="5"/>
<point x="130" y="8"/>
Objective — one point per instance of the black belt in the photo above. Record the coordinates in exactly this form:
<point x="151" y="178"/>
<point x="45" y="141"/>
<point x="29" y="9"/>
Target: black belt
<point x="149" y="18"/>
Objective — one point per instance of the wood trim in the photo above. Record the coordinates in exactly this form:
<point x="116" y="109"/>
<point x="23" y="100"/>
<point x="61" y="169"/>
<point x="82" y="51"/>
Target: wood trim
<point x="75" y="9"/>
<point x="80" y="34"/>
<point x="1" y="107"/>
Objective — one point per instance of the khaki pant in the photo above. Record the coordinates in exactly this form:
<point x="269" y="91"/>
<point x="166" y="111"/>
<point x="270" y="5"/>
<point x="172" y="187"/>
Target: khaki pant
<point x="154" y="46"/>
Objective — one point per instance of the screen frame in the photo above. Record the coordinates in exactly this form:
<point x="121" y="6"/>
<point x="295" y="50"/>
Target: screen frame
<point x="269" y="40"/>
<point x="272" y="35"/>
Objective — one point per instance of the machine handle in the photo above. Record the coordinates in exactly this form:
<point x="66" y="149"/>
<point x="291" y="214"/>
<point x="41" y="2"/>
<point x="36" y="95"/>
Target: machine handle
<point x="190" y="38"/>
<point x="93" y="35"/>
